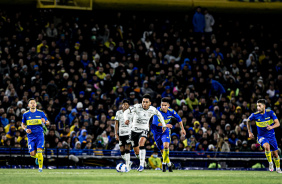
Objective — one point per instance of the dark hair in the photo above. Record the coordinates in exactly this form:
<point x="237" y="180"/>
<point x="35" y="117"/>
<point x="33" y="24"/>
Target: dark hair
<point x="31" y="99"/>
<point x="146" y="96"/>
<point x="262" y="101"/>
<point x="125" y="101"/>
<point x="165" y="100"/>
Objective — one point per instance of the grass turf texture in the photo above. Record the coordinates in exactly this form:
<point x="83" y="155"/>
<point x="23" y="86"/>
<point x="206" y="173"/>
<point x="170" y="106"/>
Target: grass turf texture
<point x="58" y="176"/>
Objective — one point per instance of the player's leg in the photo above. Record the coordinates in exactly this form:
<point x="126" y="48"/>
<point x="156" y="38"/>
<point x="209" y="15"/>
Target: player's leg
<point x="160" y="145"/>
<point x="127" y="156"/>
<point x="142" y="148"/>
<point x="166" y="141"/>
<point x="40" y="147"/>
<point x="274" y="149"/>
<point x="268" y="154"/>
<point x="122" y="152"/>
<point x="136" y="151"/>
<point x="121" y="147"/>
<point x="134" y="138"/>
<point x="276" y="160"/>
<point x="40" y="158"/>
<point x="32" y="148"/>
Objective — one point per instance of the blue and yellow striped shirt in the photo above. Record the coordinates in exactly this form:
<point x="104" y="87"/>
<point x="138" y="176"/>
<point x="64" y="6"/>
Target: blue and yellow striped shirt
<point x="262" y="120"/>
<point x="33" y="121"/>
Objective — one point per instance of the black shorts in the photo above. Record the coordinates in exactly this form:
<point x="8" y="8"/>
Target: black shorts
<point x="135" y="137"/>
<point x="123" y="140"/>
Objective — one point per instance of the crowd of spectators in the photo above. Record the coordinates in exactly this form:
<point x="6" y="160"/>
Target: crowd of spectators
<point x="80" y="66"/>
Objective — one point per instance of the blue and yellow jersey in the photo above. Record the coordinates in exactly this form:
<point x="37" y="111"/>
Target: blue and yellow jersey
<point x="33" y="121"/>
<point x="262" y="120"/>
<point x="167" y="118"/>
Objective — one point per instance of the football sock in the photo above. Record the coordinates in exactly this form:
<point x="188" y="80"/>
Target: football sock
<point x="277" y="162"/>
<point x="40" y="159"/>
<point x="127" y="157"/>
<point x="142" y="155"/>
<point x="122" y="155"/>
<point x="268" y="156"/>
<point x="165" y="156"/>
<point x="35" y="156"/>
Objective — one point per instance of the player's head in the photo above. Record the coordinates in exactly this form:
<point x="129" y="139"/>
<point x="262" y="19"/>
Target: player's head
<point x="146" y="101"/>
<point x="32" y="103"/>
<point x="165" y="104"/>
<point x="261" y="105"/>
<point x="125" y="104"/>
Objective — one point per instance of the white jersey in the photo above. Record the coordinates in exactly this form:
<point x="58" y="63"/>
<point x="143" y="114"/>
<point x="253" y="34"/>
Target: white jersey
<point x="123" y="128"/>
<point x="141" y="117"/>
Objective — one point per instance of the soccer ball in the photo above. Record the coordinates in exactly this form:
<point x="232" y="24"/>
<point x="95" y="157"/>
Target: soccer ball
<point x="121" y="168"/>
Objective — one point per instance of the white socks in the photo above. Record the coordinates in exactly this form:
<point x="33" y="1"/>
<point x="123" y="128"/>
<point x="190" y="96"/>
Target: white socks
<point x="142" y="157"/>
<point x="127" y="159"/>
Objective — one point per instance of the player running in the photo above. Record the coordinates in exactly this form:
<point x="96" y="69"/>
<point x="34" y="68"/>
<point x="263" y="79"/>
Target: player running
<point x="162" y="139"/>
<point x="124" y="132"/>
<point x="32" y="123"/>
<point x="266" y="121"/>
<point x="142" y="114"/>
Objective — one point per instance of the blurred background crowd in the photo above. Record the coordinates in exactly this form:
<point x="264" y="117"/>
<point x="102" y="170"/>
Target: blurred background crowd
<point x="80" y="67"/>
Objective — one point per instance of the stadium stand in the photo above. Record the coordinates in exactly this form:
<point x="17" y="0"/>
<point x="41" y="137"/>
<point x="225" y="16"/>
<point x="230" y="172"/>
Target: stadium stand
<point x="80" y="67"/>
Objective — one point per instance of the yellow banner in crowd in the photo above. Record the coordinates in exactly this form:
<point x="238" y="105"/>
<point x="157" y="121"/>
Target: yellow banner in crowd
<point x="238" y="5"/>
<point x="173" y="5"/>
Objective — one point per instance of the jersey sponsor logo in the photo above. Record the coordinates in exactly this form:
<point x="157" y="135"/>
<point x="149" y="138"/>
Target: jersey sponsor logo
<point x="263" y="123"/>
<point x="267" y="118"/>
<point x="124" y="132"/>
<point x="38" y="116"/>
<point x="138" y="129"/>
<point x="142" y="121"/>
<point x="34" y="122"/>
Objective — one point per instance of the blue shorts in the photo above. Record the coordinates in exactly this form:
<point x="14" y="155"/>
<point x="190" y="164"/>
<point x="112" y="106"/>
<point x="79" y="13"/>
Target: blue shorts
<point x="35" y="141"/>
<point x="271" y="141"/>
<point x="160" y="138"/>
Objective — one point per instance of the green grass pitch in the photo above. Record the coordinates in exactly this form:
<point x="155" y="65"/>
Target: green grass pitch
<point x="79" y="176"/>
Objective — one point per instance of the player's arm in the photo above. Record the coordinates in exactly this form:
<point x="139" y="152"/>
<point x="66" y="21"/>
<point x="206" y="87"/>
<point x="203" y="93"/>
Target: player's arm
<point x="126" y="114"/>
<point x="178" y="118"/>
<point x="251" y="135"/>
<point x="275" y="120"/>
<point x="116" y="129"/>
<point x="44" y="119"/>
<point x="161" y="118"/>
<point x="275" y="125"/>
<point x="24" y="125"/>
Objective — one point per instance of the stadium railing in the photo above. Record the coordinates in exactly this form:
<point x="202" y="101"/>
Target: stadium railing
<point x="19" y="157"/>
